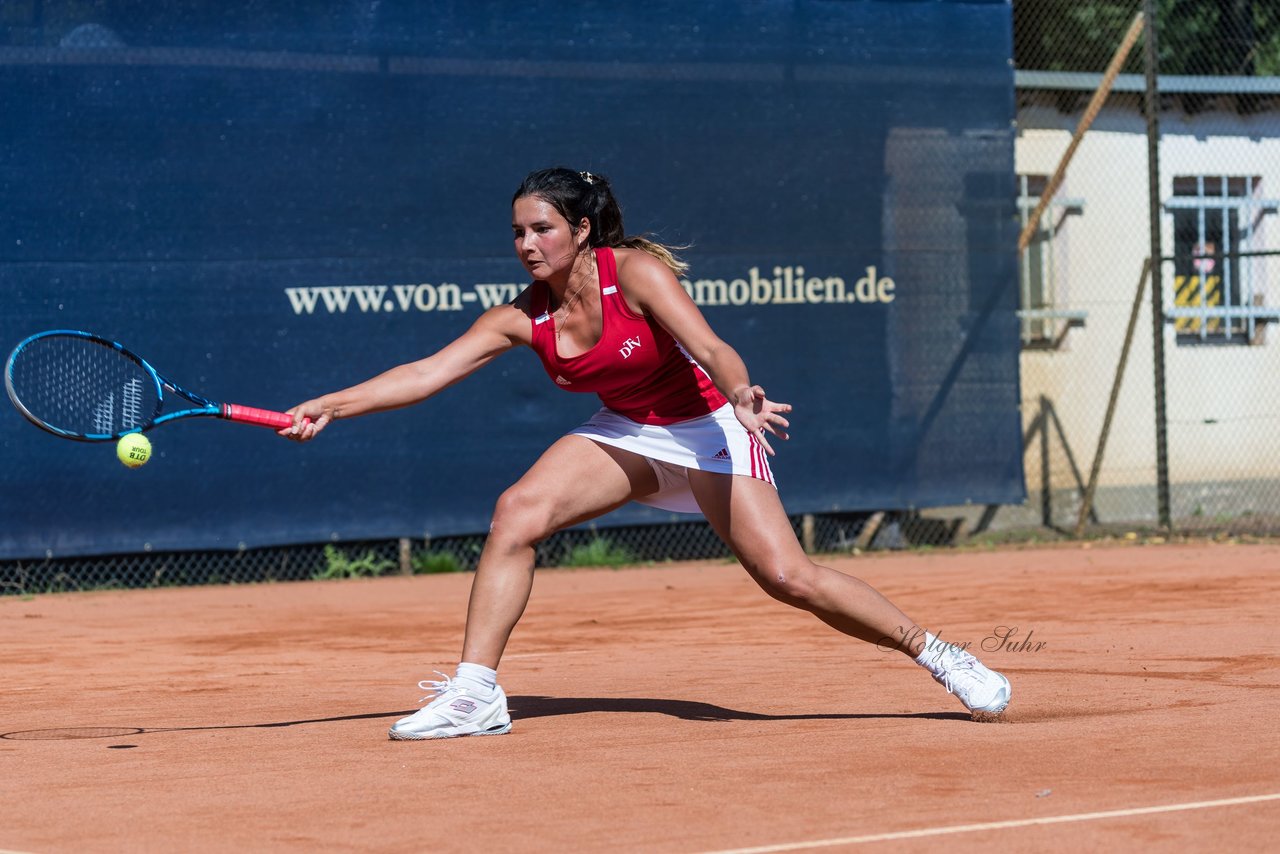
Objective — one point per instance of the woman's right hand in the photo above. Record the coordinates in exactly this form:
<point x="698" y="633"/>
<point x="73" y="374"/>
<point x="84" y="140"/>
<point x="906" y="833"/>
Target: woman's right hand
<point x="308" y="420"/>
<point x="760" y="415"/>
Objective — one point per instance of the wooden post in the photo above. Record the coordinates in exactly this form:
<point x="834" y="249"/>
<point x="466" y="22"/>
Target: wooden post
<point x="1086" y="505"/>
<point x="868" y="532"/>
<point x="406" y="562"/>
<point x="1090" y="113"/>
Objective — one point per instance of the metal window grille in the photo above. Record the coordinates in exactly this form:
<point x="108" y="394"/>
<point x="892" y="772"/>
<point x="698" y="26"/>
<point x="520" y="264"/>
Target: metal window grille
<point x="1218" y="286"/>
<point x="1042" y="313"/>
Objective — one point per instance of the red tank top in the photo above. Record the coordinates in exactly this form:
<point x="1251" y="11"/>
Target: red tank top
<point x="637" y="368"/>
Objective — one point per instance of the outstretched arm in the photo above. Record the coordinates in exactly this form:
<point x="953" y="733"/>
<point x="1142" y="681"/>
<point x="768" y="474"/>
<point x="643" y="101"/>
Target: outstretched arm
<point x="652" y="287"/>
<point x="496" y="331"/>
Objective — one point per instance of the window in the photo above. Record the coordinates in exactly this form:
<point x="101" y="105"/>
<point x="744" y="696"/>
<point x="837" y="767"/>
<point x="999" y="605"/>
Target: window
<point x="1218" y="272"/>
<point x="1044" y="317"/>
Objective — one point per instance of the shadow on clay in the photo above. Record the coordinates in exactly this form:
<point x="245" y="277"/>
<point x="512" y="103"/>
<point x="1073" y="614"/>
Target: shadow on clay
<point x="522" y="708"/>
<point x="525" y="707"/>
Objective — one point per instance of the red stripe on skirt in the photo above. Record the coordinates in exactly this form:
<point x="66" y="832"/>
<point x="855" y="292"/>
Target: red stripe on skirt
<point x="759" y="462"/>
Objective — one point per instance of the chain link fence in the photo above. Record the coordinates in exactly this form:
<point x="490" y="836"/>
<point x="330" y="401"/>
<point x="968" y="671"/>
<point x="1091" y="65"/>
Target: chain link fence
<point x="589" y="546"/>
<point x="1097" y="365"/>
<point x="1095" y="373"/>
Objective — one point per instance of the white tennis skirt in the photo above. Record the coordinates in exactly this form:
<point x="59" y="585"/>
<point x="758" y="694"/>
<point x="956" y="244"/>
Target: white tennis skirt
<point x="717" y="442"/>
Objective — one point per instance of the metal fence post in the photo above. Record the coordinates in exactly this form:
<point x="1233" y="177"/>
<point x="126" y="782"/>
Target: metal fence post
<point x="1152" y="103"/>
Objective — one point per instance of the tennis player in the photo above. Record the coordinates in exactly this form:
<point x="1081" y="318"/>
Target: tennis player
<point x="682" y="428"/>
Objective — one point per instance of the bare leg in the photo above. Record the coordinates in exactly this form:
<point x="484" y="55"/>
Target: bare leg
<point x="748" y="515"/>
<point x="576" y="479"/>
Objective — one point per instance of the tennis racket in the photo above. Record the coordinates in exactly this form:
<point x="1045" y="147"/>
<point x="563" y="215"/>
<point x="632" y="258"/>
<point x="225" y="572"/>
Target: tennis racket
<point x="84" y="387"/>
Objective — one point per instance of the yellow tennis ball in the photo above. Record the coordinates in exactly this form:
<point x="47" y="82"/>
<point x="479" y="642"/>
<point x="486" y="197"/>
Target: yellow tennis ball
<point x="133" y="450"/>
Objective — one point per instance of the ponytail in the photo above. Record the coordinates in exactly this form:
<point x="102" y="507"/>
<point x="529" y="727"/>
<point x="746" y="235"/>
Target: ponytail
<point x="583" y="194"/>
<point x="665" y="254"/>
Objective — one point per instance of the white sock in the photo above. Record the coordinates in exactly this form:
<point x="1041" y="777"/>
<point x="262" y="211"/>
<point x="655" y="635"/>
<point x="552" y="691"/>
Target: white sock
<point x="477" y="677"/>
<point x="928" y="656"/>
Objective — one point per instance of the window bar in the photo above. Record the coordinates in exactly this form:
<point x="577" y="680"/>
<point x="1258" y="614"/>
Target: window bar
<point x="1201" y="242"/>
<point x="1049" y="279"/>
<point x="1025" y="261"/>
<point x="1225" y="249"/>
<point x="1246" y="267"/>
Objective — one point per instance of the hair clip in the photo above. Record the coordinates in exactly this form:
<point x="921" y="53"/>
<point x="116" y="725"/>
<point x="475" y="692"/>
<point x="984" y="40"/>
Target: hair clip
<point x="588" y="177"/>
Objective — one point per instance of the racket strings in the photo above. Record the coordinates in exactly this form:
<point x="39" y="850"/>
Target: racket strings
<point x="81" y="386"/>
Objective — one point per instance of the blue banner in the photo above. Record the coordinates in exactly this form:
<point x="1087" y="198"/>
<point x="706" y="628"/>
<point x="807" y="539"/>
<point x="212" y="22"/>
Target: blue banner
<point x="269" y="204"/>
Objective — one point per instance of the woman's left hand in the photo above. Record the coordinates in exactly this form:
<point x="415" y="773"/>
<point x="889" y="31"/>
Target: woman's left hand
<point x="760" y="415"/>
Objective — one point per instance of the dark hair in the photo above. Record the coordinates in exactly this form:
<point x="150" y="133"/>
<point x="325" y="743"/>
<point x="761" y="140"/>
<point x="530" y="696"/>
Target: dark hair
<point x="576" y="195"/>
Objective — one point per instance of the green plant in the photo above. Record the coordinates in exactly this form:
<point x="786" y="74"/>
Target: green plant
<point x="599" y="552"/>
<point x="436" y="562"/>
<point x="338" y="564"/>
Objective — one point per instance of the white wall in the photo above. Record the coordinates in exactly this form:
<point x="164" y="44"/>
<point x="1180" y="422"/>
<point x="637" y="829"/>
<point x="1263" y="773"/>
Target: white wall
<point x="1101" y="254"/>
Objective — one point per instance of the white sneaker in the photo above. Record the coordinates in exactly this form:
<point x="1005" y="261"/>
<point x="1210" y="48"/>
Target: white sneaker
<point x="454" y="711"/>
<point x="983" y="691"/>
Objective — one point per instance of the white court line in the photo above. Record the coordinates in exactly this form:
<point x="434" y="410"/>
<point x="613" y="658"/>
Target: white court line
<point x="997" y="825"/>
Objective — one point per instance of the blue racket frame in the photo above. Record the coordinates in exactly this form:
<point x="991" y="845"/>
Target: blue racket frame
<point x="204" y="408"/>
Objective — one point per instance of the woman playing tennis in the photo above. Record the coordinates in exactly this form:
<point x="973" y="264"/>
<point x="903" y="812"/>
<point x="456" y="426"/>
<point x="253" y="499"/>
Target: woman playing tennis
<point x="682" y="428"/>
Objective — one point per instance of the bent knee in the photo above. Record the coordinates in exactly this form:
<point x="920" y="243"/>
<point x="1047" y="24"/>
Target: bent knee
<point x="794" y="584"/>
<point x="521" y="518"/>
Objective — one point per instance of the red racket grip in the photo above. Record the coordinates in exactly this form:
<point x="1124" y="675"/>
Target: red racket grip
<point x="260" y="417"/>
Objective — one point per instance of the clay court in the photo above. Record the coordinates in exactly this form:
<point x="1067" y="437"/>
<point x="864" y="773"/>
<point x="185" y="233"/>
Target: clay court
<point x="673" y="708"/>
